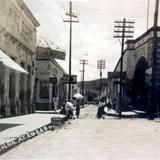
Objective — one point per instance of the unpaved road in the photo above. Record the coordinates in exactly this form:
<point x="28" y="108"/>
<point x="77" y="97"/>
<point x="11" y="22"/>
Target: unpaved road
<point x="88" y="138"/>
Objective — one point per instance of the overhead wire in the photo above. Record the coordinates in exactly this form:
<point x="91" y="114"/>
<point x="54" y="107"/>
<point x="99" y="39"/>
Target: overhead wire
<point x="111" y="12"/>
<point x="75" y="41"/>
<point x="79" y="43"/>
<point x="61" y="5"/>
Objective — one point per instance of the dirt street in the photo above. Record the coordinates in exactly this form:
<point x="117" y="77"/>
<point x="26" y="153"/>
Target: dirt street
<point x="88" y="138"/>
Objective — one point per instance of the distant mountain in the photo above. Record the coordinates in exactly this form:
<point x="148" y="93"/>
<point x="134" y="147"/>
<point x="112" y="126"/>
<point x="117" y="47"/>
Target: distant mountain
<point x="95" y="83"/>
<point x="93" y="86"/>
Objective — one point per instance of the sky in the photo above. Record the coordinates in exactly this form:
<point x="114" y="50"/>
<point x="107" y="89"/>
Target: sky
<point x="93" y="35"/>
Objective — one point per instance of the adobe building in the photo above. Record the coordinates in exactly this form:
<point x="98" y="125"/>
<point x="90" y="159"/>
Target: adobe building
<point x="49" y="79"/>
<point x="18" y="41"/>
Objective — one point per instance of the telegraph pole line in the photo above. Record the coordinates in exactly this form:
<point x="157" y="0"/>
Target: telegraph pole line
<point x="71" y="15"/>
<point x="81" y="80"/>
<point x="156" y="13"/>
<point x="100" y="81"/>
<point x="123" y="29"/>
<point x="154" y="93"/>
<point x="148" y="4"/>
<point x="100" y="66"/>
<point x="83" y="62"/>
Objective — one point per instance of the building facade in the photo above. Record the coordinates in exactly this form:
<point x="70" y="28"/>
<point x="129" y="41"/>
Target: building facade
<point x="51" y="92"/>
<point x="138" y="82"/>
<point x="18" y="41"/>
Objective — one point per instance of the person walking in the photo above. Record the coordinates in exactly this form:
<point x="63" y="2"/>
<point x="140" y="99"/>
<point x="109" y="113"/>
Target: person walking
<point x="78" y="104"/>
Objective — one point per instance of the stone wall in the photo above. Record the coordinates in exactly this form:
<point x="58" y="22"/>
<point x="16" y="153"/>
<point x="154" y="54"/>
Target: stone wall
<point x="136" y="50"/>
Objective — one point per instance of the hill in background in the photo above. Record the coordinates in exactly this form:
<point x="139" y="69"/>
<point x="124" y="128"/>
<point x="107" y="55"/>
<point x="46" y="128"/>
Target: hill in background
<point x="92" y="88"/>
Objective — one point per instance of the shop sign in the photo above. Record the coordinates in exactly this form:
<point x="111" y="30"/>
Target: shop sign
<point x="72" y="79"/>
<point x="53" y="80"/>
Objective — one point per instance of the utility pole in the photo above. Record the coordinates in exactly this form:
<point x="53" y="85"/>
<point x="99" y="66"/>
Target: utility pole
<point x="100" y="66"/>
<point x="83" y="62"/>
<point x="148" y="4"/>
<point x="156" y="13"/>
<point x="155" y="70"/>
<point x="71" y="15"/>
<point x="123" y="29"/>
<point x="81" y="80"/>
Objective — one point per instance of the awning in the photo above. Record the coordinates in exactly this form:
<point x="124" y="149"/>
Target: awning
<point x="116" y="74"/>
<point x="48" y="52"/>
<point x="7" y="61"/>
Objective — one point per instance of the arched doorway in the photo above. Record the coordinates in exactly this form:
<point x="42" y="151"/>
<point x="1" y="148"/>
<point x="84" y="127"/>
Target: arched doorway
<point x="139" y="89"/>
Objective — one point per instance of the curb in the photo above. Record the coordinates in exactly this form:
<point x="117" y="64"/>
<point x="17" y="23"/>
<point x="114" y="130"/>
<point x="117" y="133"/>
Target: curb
<point x="56" y="122"/>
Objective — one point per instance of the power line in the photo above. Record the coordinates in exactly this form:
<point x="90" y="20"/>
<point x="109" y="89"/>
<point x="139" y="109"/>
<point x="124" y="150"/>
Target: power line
<point x="123" y="29"/>
<point x="148" y="4"/>
<point x="71" y="15"/>
<point x="83" y="62"/>
<point x="100" y="66"/>
<point x="113" y="12"/>
<point x="81" y="71"/>
<point x="155" y="65"/>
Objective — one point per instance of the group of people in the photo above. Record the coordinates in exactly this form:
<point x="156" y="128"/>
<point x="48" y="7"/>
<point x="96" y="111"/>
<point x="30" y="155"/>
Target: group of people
<point x="72" y="110"/>
<point x="102" y="103"/>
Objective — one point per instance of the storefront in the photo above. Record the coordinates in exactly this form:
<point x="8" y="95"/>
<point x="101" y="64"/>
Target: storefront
<point x="50" y="89"/>
<point x="17" y="52"/>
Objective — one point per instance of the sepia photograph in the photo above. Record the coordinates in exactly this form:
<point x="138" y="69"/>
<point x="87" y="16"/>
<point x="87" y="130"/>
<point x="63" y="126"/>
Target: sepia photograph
<point x="79" y="80"/>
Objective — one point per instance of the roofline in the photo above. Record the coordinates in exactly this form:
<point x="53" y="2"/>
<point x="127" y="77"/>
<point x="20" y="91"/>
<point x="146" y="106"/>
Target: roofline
<point x="54" y="61"/>
<point x="136" y="40"/>
<point x="29" y="13"/>
<point x="143" y="35"/>
<point x="43" y="50"/>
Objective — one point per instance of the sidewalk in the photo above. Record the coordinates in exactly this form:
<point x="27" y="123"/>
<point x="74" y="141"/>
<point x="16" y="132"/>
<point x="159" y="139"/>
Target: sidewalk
<point x="125" y="114"/>
<point x="15" y="130"/>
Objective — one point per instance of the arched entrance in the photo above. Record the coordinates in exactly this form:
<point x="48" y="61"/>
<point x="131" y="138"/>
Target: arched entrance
<point x="139" y="90"/>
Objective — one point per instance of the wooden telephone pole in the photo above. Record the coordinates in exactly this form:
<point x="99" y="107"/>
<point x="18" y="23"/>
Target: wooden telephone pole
<point x="81" y="71"/>
<point x="100" y="66"/>
<point x="155" y="70"/>
<point x="71" y="15"/>
<point x="83" y="62"/>
<point x="123" y="29"/>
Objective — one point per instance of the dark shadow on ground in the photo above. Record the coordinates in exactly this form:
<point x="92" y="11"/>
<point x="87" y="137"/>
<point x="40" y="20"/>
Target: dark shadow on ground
<point x="4" y="126"/>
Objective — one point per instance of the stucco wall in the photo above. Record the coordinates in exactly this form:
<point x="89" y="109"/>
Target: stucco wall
<point x="18" y="23"/>
<point x="45" y="69"/>
<point x="17" y="40"/>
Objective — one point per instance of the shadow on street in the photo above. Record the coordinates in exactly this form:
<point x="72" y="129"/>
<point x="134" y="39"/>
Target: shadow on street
<point x="4" y="126"/>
